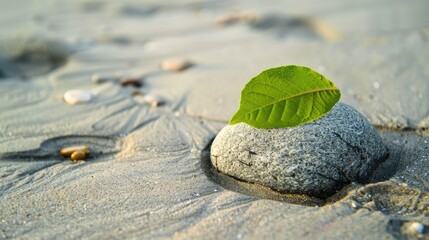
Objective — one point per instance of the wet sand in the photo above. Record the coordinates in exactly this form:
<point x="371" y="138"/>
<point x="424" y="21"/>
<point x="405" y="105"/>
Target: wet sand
<point x="149" y="175"/>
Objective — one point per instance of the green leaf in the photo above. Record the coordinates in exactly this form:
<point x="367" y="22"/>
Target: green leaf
<point x="285" y="96"/>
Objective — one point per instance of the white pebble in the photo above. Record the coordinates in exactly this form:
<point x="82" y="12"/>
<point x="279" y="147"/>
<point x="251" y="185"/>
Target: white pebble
<point x="417" y="227"/>
<point x="175" y="64"/>
<point x="376" y="85"/>
<point x="153" y="100"/>
<point x="76" y="96"/>
<point x="355" y="205"/>
<point x="149" y="99"/>
<point x="96" y="78"/>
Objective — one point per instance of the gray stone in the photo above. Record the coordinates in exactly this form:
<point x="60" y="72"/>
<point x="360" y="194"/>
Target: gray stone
<point x="316" y="159"/>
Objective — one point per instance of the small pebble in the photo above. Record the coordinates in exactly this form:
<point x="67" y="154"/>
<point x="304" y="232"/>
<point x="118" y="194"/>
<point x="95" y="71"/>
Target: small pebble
<point x="78" y="155"/>
<point x="76" y="96"/>
<point x="150" y="99"/>
<point x="417" y="227"/>
<point x="376" y="85"/>
<point x="232" y="18"/>
<point x="134" y="82"/>
<point x="153" y="100"/>
<point x="175" y="64"/>
<point x="96" y="78"/>
<point x="355" y="205"/>
<point x="68" y="151"/>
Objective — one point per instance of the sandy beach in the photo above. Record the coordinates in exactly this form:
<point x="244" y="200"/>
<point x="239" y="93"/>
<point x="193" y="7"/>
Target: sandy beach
<point x="149" y="174"/>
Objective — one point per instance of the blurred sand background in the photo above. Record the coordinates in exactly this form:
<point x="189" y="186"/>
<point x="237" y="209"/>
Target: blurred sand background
<point x="149" y="175"/>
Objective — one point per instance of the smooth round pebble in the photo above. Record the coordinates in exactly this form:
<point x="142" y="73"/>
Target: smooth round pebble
<point x="68" y="151"/>
<point x="78" y="155"/>
<point x="149" y="99"/>
<point x="417" y="227"/>
<point x="175" y="64"/>
<point x="97" y="78"/>
<point x="316" y="158"/>
<point x="76" y="96"/>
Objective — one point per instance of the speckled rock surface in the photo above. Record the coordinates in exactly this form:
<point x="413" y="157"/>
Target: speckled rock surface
<point x="314" y="159"/>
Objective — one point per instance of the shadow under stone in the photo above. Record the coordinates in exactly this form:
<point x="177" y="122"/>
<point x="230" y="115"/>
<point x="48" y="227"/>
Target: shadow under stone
<point x="408" y="160"/>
